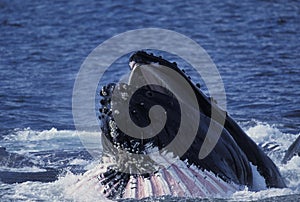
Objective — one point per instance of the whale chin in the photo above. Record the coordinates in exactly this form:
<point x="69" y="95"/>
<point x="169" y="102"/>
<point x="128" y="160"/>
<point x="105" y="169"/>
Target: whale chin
<point x="231" y="165"/>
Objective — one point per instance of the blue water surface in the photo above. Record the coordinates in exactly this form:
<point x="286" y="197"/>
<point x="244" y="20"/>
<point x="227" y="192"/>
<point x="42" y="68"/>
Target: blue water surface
<point x="254" y="44"/>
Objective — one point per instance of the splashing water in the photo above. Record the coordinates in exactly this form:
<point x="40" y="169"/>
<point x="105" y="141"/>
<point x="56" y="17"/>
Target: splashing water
<point x="28" y="143"/>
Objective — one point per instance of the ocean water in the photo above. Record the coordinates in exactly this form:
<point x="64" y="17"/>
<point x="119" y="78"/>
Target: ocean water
<point x="254" y="44"/>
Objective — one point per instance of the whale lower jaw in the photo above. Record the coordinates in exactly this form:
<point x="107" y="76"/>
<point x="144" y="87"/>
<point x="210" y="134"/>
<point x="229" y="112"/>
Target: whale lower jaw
<point x="177" y="180"/>
<point x="180" y="181"/>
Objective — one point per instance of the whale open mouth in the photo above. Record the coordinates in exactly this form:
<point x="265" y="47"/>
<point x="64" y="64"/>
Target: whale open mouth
<point x="148" y="151"/>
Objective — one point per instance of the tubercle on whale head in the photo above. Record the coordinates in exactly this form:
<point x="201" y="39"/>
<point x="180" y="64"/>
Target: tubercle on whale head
<point x="142" y="57"/>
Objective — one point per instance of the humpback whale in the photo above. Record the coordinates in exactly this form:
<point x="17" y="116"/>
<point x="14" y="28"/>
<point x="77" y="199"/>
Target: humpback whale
<point x="234" y="162"/>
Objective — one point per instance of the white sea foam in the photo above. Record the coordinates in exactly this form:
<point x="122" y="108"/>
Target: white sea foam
<point x="23" y="169"/>
<point x="259" y="181"/>
<point x="58" y="190"/>
<point x="27" y="140"/>
<point x="28" y="134"/>
<point x="79" y="162"/>
<point x="291" y="172"/>
<point x="247" y="195"/>
<point x="54" y="191"/>
<point x="261" y="133"/>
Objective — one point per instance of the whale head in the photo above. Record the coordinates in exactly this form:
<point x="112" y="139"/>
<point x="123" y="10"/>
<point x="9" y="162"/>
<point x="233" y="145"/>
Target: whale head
<point x="157" y="123"/>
